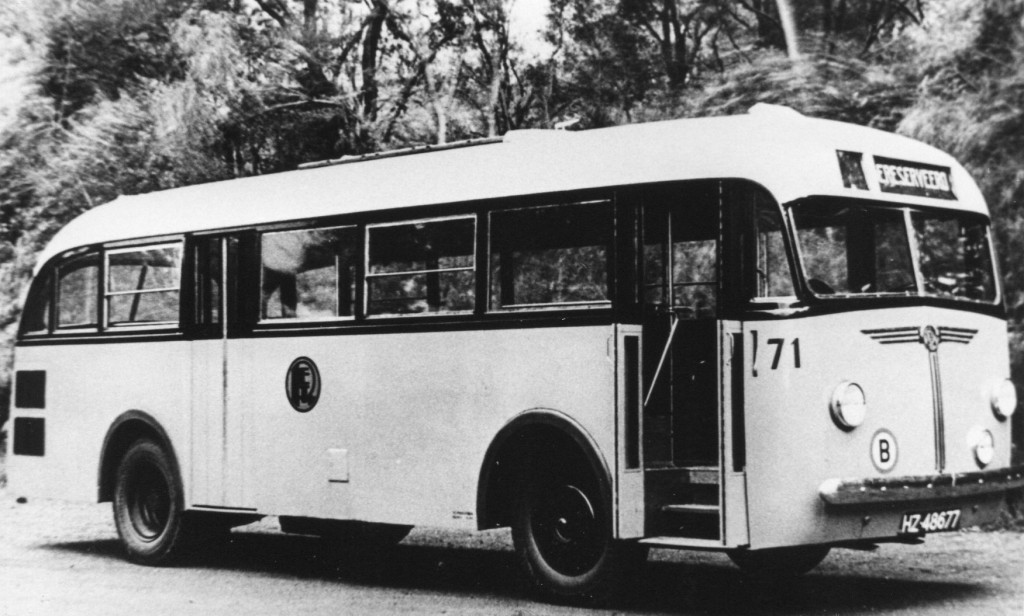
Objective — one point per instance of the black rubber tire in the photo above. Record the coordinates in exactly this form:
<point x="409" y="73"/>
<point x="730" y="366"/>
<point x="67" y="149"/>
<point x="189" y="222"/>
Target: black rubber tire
<point x="563" y="541"/>
<point x="779" y="563"/>
<point x="148" y="505"/>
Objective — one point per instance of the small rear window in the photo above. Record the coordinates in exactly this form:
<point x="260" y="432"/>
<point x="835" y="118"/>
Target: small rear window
<point x="35" y="318"/>
<point x="77" y="288"/>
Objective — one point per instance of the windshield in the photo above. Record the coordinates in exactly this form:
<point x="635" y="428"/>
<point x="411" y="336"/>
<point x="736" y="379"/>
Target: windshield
<point x="849" y="248"/>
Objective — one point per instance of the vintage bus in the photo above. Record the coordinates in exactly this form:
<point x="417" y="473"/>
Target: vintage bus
<point x="767" y="335"/>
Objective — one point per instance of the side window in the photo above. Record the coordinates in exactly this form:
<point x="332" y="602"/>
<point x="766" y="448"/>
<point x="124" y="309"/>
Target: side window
<point x="421" y="267"/>
<point x="77" y="288"/>
<point x="35" y="319"/>
<point x="309" y="274"/>
<point x="774" y="278"/>
<point x="551" y="256"/>
<point x="143" y="285"/>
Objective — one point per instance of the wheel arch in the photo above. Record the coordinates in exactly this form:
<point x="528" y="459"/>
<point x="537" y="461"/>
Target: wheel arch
<point x="127" y="428"/>
<point x="511" y="449"/>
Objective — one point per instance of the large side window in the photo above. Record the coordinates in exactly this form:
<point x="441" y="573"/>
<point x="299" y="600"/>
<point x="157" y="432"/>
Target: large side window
<point x="421" y="267"/>
<point x="143" y="285"/>
<point x="551" y="256"/>
<point x="309" y="273"/>
<point x="77" y="288"/>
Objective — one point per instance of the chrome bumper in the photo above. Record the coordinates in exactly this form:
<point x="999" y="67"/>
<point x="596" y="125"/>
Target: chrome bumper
<point x="844" y="492"/>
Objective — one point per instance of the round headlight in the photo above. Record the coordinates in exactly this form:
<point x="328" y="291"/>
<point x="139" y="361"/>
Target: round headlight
<point x="848" y="405"/>
<point x="1004" y="399"/>
<point x="984" y="446"/>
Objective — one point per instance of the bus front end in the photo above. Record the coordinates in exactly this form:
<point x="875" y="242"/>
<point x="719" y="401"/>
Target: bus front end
<point x="879" y="407"/>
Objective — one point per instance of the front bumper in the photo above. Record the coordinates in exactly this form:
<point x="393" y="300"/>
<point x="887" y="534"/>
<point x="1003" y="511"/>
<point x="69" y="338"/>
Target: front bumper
<point x="848" y="492"/>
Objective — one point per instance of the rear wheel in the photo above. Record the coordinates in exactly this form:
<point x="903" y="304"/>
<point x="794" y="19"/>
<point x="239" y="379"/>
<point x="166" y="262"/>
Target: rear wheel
<point x="563" y="540"/>
<point x="148" y="506"/>
<point x="779" y="563"/>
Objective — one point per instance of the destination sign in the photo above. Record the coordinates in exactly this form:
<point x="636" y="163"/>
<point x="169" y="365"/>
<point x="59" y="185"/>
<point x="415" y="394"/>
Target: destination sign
<point x="910" y="178"/>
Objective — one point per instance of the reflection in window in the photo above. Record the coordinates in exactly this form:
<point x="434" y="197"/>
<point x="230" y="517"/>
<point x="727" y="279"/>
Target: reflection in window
<point x="143" y="285"/>
<point x="421" y="267"/>
<point x="309" y="274"/>
<point x="77" y="289"/>
<point x="851" y="249"/>
<point x="955" y="257"/>
<point x="551" y="256"/>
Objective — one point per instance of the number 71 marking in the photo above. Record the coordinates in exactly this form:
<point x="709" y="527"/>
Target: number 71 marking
<point x="780" y="345"/>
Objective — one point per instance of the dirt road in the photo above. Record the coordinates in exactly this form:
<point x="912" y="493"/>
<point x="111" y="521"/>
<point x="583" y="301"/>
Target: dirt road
<point x="57" y="558"/>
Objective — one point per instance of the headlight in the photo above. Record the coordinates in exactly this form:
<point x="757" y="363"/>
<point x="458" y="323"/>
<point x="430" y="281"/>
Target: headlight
<point x="1004" y="399"/>
<point x="984" y="446"/>
<point x="848" y="406"/>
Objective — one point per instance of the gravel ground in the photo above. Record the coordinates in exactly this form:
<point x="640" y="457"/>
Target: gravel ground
<point x="61" y="558"/>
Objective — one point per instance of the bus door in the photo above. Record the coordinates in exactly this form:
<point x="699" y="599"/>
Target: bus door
<point x="681" y="385"/>
<point x="217" y="433"/>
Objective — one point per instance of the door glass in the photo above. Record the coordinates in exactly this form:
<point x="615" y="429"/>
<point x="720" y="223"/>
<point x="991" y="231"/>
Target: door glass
<point x="680" y="290"/>
<point x="208" y="275"/>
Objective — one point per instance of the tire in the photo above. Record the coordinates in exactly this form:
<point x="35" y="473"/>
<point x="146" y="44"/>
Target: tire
<point x="779" y="563"/>
<point x="148" y="505"/>
<point x="563" y="541"/>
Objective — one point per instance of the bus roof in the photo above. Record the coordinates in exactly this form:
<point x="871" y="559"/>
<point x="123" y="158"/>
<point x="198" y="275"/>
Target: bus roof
<point x="791" y="155"/>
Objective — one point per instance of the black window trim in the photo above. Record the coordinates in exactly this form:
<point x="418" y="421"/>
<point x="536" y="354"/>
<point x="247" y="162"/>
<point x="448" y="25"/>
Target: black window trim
<point x="608" y="198"/>
<point x="365" y="276"/>
<point x="301" y="226"/>
<point x="105" y="293"/>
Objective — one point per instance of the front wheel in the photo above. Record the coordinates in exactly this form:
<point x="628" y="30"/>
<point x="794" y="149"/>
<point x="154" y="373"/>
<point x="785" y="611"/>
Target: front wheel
<point x="148" y="505"/>
<point x="563" y="542"/>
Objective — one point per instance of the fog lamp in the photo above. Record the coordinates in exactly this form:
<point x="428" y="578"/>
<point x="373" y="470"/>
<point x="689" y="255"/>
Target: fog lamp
<point x="984" y="446"/>
<point x="1004" y="399"/>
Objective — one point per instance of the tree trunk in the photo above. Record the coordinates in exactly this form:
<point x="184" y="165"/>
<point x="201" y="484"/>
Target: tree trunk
<point x="371" y="43"/>
<point x="788" y="21"/>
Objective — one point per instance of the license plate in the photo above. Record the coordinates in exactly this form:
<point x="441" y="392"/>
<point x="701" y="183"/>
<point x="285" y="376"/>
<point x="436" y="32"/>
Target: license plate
<point x="930" y="522"/>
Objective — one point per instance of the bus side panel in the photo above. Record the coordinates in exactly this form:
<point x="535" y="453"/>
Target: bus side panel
<point x="793" y="445"/>
<point x="87" y="387"/>
<point x="404" y="420"/>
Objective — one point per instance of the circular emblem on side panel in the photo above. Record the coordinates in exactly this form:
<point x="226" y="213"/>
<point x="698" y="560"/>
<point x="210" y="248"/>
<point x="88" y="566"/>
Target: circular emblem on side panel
<point x="884" y="451"/>
<point x="302" y="384"/>
<point x="930" y="338"/>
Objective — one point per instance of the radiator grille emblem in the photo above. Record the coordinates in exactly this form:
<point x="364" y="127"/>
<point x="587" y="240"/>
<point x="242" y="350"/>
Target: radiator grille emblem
<point x="931" y="337"/>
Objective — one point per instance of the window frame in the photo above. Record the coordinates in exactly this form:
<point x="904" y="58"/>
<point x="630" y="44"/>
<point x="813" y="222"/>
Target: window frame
<point x="265" y="321"/>
<point x="105" y="294"/>
<point x="60" y="265"/>
<point x="906" y="212"/>
<point x="41" y="296"/>
<point x="611" y="262"/>
<point x="367" y="276"/>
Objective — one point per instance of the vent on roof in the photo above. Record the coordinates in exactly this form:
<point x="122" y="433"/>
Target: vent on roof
<point x="419" y="149"/>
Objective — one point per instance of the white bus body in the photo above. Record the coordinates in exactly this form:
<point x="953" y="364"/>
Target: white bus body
<point x="708" y="421"/>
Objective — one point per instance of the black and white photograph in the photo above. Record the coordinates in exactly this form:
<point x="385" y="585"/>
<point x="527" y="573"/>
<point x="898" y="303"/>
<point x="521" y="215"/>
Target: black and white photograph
<point x="511" y="307"/>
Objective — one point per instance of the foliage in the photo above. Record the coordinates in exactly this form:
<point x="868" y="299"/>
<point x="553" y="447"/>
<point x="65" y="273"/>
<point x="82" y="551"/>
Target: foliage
<point x="970" y="102"/>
